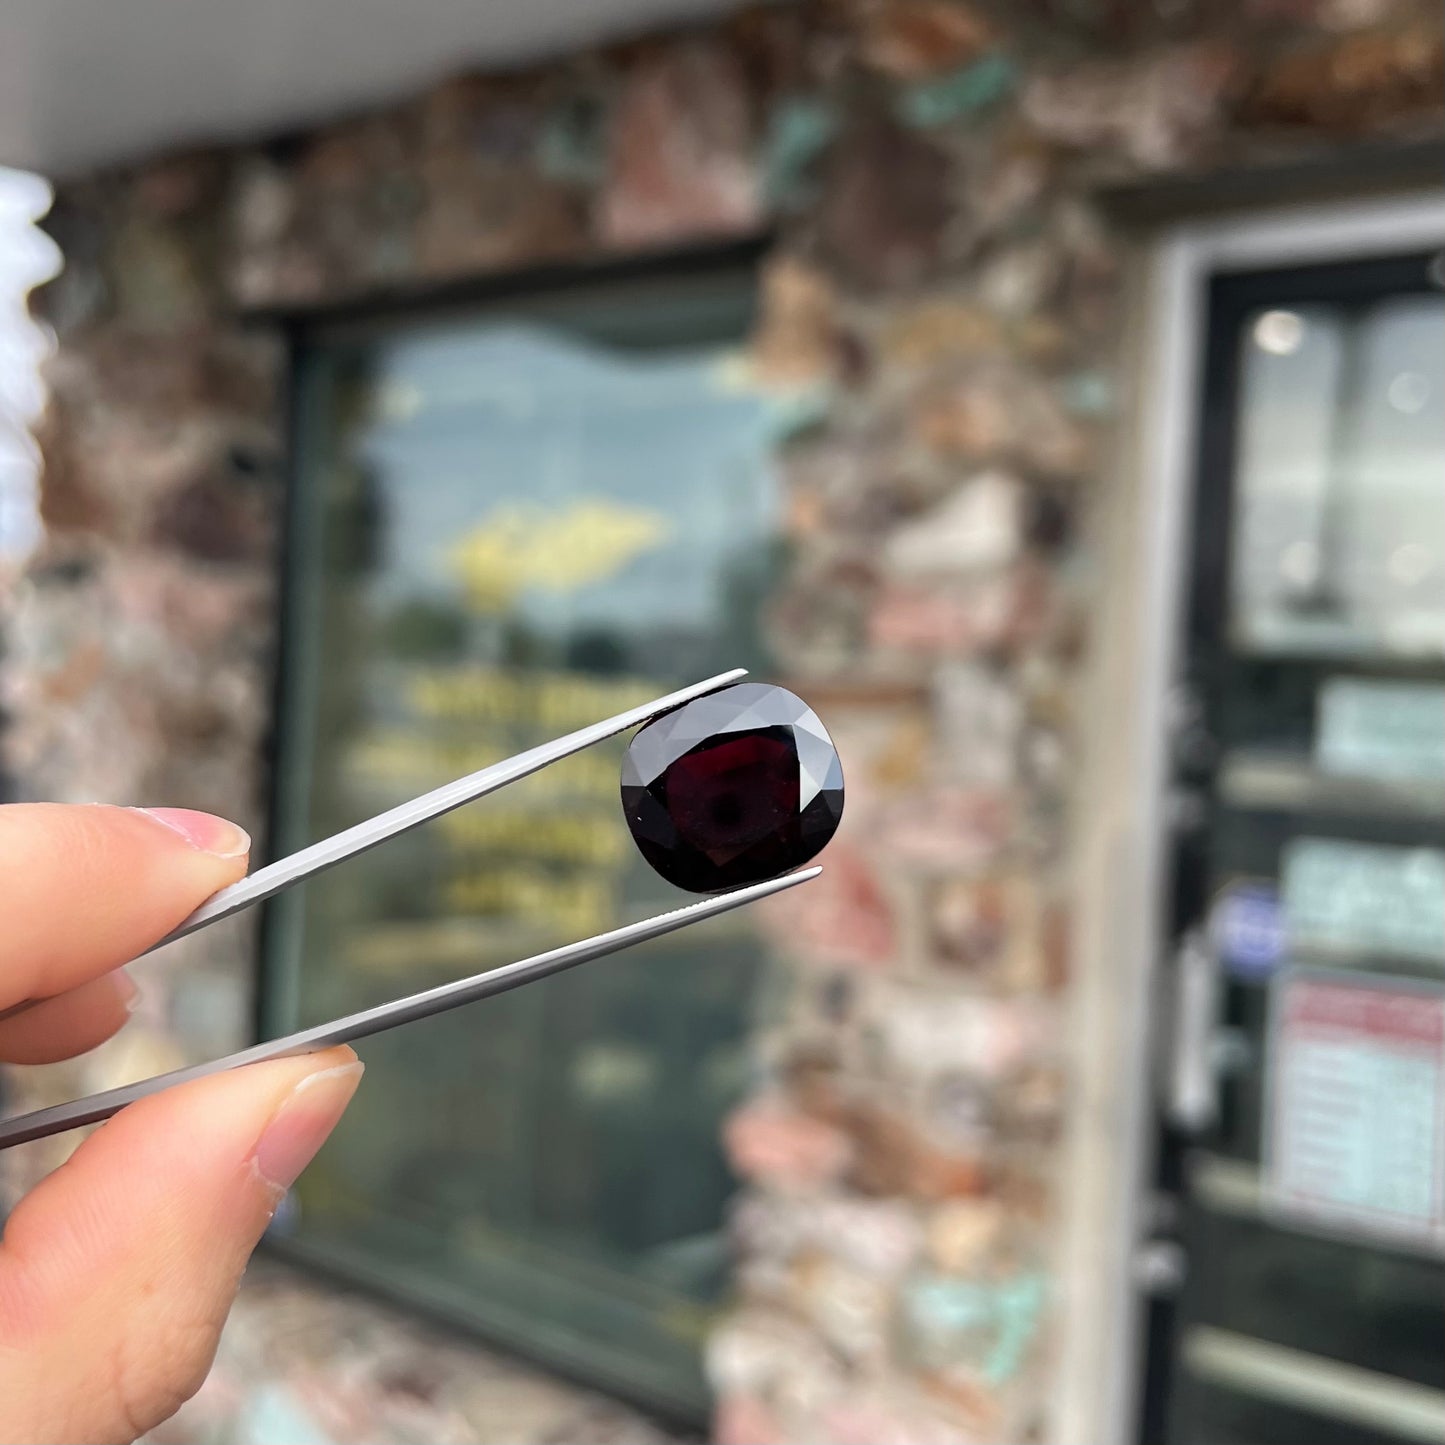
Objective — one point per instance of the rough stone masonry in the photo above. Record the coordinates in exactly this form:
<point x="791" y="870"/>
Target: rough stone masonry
<point x="944" y="279"/>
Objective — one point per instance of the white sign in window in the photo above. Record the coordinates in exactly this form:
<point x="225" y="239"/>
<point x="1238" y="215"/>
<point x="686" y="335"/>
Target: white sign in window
<point x="1356" y="1117"/>
<point x="1394" y="731"/>
<point x="1350" y="899"/>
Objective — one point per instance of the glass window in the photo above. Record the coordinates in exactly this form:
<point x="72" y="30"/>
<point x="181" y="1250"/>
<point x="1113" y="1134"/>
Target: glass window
<point x="1340" y="537"/>
<point x="508" y="525"/>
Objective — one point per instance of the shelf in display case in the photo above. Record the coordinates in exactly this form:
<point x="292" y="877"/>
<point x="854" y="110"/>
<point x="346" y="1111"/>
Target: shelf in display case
<point x="1354" y="960"/>
<point x="1421" y="645"/>
<point x="1368" y="656"/>
<point x="1315" y="1384"/>
<point x="1260" y="780"/>
<point x="1238" y="1187"/>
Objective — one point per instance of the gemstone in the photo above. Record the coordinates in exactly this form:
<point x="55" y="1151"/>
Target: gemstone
<point x="733" y="788"/>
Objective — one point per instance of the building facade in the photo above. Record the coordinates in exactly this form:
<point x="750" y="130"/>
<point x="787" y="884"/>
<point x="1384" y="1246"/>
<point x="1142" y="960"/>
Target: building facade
<point x="945" y="210"/>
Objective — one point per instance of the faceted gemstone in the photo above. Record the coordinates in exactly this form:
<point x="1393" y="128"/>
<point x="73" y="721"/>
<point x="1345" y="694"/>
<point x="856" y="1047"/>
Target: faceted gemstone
<point x="738" y="786"/>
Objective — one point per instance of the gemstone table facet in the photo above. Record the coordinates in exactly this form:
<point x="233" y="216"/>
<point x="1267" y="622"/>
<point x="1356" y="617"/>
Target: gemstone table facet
<point x="736" y="787"/>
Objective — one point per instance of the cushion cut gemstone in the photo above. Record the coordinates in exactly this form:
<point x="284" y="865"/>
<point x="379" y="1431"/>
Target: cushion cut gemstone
<point x="736" y="787"/>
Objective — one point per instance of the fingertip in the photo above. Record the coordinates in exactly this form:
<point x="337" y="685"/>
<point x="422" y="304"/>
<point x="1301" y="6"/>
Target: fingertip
<point x="65" y="1025"/>
<point x="84" y="888"/>
<point x="117" y="1271"/>
<point x="304" y="1122"/>
<point x="190" y="1156"/>
<point x="205" y="832"/>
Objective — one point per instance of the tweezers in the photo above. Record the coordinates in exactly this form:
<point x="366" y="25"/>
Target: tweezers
<point x="285" y="872"/>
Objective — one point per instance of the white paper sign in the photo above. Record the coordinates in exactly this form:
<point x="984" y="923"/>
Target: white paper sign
<point x="1355" y="1125"/>
<point x="1389" y="730"/>
<point x="1350" y="898"/>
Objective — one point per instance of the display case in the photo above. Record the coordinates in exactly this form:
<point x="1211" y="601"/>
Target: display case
<point x="1300" y="1168"/>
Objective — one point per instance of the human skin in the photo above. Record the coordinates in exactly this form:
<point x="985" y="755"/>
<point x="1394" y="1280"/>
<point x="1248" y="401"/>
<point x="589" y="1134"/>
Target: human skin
<point x="117" y="1270"/>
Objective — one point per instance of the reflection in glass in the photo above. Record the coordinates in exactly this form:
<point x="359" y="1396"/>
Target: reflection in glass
<point x="1340" y="524"/>
<point x="521" y="526"/>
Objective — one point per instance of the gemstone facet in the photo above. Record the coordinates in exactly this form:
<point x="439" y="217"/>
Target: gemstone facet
<point x="733" y="788"/>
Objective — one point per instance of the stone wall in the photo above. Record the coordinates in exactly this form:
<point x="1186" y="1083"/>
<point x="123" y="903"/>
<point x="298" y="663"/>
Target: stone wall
<point x="943" y="274"/>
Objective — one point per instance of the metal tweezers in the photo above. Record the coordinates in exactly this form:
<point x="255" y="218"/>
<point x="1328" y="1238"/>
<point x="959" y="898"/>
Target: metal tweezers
<point x="268" y="881"/>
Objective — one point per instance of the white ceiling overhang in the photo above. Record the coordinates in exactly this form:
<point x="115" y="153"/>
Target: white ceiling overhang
<point x="84" y="83"/>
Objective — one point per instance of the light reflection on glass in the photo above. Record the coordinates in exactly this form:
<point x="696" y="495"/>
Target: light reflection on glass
<point x="1279" y="332"/>
<point x="1409" y="391"/>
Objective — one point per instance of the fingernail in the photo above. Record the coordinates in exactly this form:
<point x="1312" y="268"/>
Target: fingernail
<point x="128" y="990"/>
<point x="203" y="831"/>
<point x="301" y="1125"/>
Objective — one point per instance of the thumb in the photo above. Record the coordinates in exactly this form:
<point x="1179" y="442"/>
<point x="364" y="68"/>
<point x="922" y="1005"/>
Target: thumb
<point x="117" y="1271"/>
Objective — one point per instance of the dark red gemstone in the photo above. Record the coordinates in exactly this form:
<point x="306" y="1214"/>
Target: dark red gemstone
<point x="741" y="785"/>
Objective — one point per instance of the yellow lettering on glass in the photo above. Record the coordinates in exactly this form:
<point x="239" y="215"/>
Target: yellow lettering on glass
<point x="519" y="546"/>
<point x="553" y="700"/>
<point x="572" y="904"/>
<point x="565" y="838"/>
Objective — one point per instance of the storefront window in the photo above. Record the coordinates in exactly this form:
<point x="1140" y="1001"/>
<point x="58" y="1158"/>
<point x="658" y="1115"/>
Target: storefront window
<point x="508" y="524"/>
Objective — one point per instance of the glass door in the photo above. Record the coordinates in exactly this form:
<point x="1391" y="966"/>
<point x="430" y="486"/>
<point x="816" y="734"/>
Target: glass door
<point x="1300" y="1187"/>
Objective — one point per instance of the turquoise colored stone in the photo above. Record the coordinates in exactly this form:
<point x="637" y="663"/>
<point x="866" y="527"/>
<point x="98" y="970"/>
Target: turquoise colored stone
<point x="800" y="131"/>
<point x="964" y="92"/>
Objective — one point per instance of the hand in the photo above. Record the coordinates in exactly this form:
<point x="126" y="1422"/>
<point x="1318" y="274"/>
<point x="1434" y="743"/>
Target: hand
<point x="117" y="1271"/>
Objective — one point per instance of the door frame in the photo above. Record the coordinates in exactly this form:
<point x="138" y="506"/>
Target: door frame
<point x="1121" y="801"/>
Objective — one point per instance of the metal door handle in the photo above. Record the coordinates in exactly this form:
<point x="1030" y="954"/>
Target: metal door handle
<point x="1192" y="1074"/>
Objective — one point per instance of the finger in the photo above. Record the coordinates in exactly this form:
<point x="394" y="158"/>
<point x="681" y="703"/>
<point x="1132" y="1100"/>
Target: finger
<point x="117" y="1271"/>
<point x="85" y="888"/>
<point x="70" y="1023"/>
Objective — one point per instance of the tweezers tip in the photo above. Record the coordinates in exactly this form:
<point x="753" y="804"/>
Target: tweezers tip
<point x="783" y="880"/>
